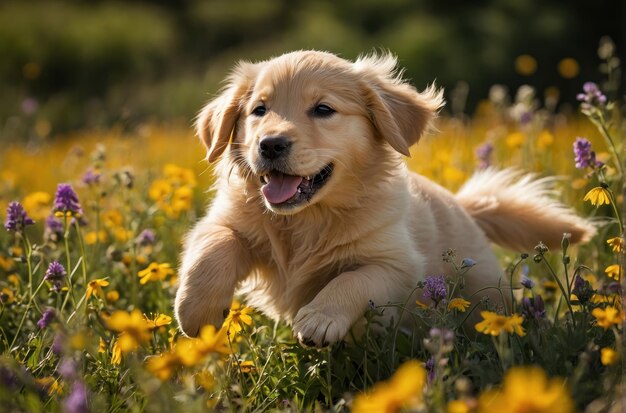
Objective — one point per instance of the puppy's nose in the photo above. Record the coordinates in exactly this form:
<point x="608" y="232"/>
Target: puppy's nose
<point x="273" y="147"/>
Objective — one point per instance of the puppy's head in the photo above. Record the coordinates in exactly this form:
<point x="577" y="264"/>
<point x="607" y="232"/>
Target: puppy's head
<point x="304" y="124"/>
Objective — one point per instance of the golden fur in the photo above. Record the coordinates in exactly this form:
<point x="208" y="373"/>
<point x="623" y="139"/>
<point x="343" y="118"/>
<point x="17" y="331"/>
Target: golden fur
<point x="372" y="231"/>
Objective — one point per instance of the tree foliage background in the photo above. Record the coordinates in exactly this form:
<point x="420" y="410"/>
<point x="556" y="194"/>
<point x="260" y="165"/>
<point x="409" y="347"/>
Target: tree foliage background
<point x="68" y="64"/>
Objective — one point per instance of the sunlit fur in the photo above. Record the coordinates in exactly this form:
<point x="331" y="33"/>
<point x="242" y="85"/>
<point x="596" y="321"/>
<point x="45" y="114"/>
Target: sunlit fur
<point x="371" y="233"/>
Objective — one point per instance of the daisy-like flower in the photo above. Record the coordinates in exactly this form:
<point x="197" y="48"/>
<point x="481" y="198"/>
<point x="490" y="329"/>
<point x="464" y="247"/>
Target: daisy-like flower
<point x="598" y="196"/>
<point x="163" y="365"/>
<point x="617" y="244"/>
<point x="607" y="317"/>
<point x="458" y="304"/>
<point x="246" y="366"/>
<point x="159" y="320"/>
<point x="495" y="324"/>
<point x="614" y="271"/>
<point x="133" y="328"/>
<point x="66" y="202"/>
<point x="155" y="272"/>
<point x="404" y="389"/>
<point x="95" y="287"/>
<point x="237" y="317"/>
<point x="608" y="356"/>
<point x="16" y="219"/>
<point x="527" y="389"/>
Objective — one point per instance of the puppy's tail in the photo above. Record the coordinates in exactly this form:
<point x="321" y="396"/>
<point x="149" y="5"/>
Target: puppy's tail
<point x="517" y="211"/>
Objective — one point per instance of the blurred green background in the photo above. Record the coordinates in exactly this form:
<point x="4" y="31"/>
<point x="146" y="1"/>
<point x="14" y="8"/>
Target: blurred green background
<point x="90" y="64"/>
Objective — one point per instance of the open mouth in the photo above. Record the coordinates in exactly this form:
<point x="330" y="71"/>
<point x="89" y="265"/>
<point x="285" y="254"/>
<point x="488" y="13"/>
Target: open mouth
<point x="280" y="189"/>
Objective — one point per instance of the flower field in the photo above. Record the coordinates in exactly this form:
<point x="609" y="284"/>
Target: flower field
<point x="88" y="255"/>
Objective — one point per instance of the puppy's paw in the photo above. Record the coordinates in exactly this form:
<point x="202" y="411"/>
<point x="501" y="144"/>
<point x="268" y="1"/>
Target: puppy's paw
<point x="315" y="327"/>
<point x="193" y="316"/>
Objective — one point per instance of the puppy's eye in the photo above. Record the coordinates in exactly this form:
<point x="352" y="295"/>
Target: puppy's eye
<point x="259" y="110"/>
<point x="323" y="111"/>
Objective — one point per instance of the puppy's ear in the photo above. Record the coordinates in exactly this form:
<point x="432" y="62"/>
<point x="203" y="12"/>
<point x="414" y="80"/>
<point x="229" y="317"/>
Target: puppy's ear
<point x="216" y="121"/>
<point x="399" y="112"/>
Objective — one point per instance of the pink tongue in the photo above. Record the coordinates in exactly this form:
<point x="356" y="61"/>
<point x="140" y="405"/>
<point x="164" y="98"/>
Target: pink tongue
<point x="280" y="187"/>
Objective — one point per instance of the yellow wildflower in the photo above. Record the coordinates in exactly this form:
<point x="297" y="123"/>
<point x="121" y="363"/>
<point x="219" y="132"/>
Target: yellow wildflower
<point x="181" y="200"/>
<point x="545" y="140"/>
<point x="403" y="389"/>
<point x="6" y="263"/>
<point x="163" y="365"/>
<point x="614" y="271"/>
<point x="159" y="320"/>
<point x="527" y="389"/>
<point x="494" y="324"/>
<point x="246" y="366"/>
<point x="616" y="243"/>
<point x="607" y="317"/>
<point x="112" y="296"/>
<point x="460" y="406"/>
<point x="101" y="346"/>
<point x="458" y="304"/>
<point x="37" y="205"/>
<point x="179" y="176"/>
<point x="159" y="190"/>
<point x="205" y="380"/>
<point x="14" y="279"/>
<point x="95" y="287"/>
<point x="93" y="237"/>
<point x="598" y="196"/>
<point x="51" y="385"/>
<point x="155" y="272"/>
<point x="608" y="356"/>
<point x="515" y="140"/>
<point x="122" y="234"/>
<point x="133" y="327"/>
<point x="236" y="317"/>
<point x="7" y="296"/>
<point x="112" y="218"/>
<point x="116" y="353"/>
<point x="421" y="304"/>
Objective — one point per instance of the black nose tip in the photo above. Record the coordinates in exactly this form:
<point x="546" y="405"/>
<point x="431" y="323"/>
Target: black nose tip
<point x="274" y="147"/>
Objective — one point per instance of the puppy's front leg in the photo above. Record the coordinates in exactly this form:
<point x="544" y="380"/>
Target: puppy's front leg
<point x="213" y="262"/>
<point x="329" y="316"/>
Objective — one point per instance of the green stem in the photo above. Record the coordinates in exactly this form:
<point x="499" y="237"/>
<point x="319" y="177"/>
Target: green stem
<point x="30" y="302"/>
<point x="560" y="284"/>
<point x="607" y="136"/>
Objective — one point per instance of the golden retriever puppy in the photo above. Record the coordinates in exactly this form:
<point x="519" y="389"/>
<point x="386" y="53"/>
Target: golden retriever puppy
<point x="315" y="213"/>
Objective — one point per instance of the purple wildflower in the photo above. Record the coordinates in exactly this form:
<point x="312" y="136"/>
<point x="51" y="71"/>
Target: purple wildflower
<point x="435" y="288"/>
<point x="30" y="106"/>
<point x="57" y="344"/>
<point x="68" y="369"/>
<point x="583" y="155"/>
<point x="76" y="402"/>
<point x="533" y="309"/>
<point x="430" y="369"/>
<point x="16" y="218"/>
<point x="582" y="289"/>
<point x="147" y="237"/>
<point x="592" y="96"/>
<point x="55" y="274"/>
<point x="91" y="178"/>
<point x="527" y="283"/>
<point x="46" y="318"/>
<point x="66" y="201"/>
<point x="483" y="153"/>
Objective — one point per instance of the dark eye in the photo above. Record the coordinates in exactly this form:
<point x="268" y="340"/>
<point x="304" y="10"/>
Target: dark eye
<point x="259" y="110"/>
<point x="323" y="111"/>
